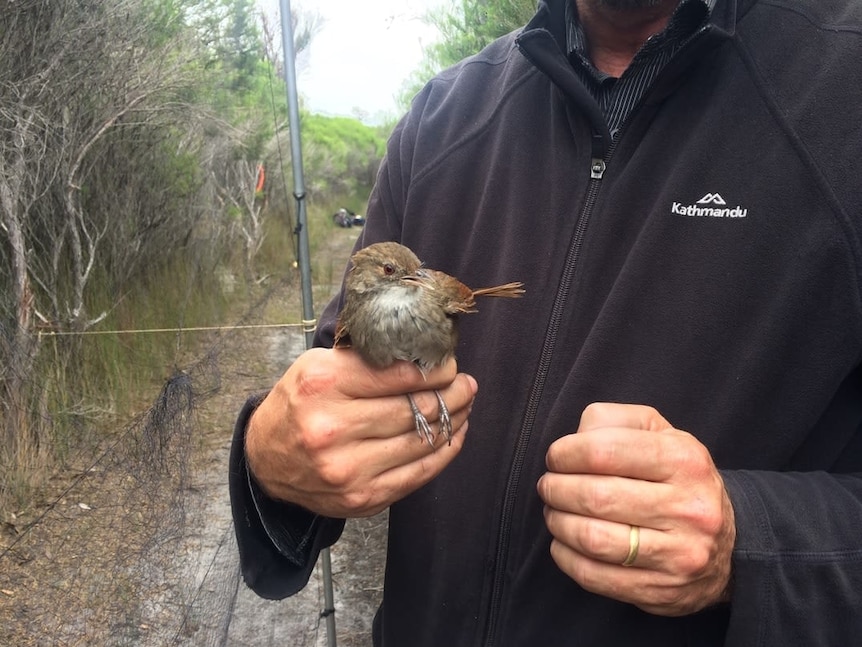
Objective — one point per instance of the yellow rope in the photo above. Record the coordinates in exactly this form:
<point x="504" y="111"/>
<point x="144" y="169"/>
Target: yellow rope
<point x="306" y="325"/>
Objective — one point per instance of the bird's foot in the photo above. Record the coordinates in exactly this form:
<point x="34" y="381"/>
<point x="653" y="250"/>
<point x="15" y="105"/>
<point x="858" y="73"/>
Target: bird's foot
<point x="423" y="428"/>
<point x="445" y="419"/>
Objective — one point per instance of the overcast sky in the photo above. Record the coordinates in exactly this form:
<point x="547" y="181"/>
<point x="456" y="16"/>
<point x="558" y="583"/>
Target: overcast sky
<point x="362" y="54"/>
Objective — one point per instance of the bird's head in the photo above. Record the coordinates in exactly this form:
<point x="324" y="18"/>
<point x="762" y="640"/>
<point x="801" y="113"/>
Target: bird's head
<point x="382" y="264"/>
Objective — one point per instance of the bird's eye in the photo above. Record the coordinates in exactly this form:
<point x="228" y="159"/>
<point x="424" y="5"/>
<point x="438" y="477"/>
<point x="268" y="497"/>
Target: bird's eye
<point x="388" y="269"/>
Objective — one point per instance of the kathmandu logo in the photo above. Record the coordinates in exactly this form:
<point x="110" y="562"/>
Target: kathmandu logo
<point x="712" y="205"/>
<point x="711" y="198"/>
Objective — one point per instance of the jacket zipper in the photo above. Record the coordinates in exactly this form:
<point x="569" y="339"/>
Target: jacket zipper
<point x="598" y="164"/>
<point x="597" y="170"/>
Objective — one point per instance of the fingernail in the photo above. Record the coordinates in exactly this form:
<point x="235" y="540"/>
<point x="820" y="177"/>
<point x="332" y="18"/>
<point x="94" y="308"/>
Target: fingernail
<point x="474" y="385"/>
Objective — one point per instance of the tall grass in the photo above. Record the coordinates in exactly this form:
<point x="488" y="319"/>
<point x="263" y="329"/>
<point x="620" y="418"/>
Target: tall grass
<point x="88" y="383"/>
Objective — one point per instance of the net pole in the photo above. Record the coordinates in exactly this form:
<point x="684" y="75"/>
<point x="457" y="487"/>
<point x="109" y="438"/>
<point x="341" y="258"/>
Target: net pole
<point x="303" y="259"/>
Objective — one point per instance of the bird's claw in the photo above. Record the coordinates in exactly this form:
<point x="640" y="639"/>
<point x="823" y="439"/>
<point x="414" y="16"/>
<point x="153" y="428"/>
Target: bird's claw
<point x="445" y="419"/>
<point x="423" y="427"/>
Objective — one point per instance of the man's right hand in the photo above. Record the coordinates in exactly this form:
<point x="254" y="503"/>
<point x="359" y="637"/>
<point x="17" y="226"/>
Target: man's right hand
<point x="338" y="438"/>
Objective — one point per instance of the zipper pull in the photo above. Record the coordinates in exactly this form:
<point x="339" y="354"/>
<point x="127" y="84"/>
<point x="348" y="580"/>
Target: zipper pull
<point x="597" y="169"/>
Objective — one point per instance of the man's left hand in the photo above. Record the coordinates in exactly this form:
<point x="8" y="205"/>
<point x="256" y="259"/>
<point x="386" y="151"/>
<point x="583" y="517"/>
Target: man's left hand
<point x="627" y="483"/>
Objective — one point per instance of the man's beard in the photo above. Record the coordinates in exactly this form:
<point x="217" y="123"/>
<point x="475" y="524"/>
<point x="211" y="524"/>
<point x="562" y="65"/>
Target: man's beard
<point x="622" y="5"/>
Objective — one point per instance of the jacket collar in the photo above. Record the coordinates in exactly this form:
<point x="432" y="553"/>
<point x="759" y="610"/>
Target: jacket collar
<point x="543" y="42"/>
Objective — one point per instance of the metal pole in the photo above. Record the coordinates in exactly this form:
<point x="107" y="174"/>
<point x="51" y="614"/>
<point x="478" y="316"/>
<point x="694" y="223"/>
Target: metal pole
<point x="298" y="179"/>
<point x="303" y="258"/>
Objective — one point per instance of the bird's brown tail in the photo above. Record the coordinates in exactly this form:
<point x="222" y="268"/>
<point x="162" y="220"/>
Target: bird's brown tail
<point x="511" y="290"/>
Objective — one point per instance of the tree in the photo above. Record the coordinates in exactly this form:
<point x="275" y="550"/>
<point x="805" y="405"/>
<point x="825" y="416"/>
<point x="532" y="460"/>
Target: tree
<point x="39" y="156"/>
<point x="130" y="136"/>
<point x="465" y="27"/>
<point x="73" y="75"/>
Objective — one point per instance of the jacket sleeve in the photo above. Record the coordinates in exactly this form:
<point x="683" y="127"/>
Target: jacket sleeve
<point x="278" y="542"/>
<point x="797" y="563"/>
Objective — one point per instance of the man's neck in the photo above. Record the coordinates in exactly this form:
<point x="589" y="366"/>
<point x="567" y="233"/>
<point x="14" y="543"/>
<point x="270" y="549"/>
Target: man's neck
<point x="615" y="36"/>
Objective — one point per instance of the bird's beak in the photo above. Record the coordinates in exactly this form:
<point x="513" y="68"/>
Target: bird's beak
<point x="420" y="277"/>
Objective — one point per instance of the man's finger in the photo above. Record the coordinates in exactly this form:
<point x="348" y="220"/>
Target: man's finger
<point x="356" y="379"/>
<point x="599" y="415"/>
<point x="609" y="541"/>
<point x="414" y="465"/>
<point x="611" y="498"/>
<point x="610" y="580"/>
<point x="618" y="451"/>
<point x="392" y="416"/>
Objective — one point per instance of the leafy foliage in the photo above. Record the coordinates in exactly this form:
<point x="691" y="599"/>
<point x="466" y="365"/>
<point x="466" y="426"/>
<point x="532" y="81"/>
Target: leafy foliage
<point x="466" y="26"/>
<point x="342" y="153"/>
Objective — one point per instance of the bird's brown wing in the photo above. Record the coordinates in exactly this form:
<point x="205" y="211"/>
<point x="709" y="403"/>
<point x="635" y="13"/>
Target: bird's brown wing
<point x="453" y="296"/>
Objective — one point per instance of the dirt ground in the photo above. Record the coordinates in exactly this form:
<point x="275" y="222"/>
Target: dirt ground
<point x="134" y="545"/>
<point x="357" y="567"/>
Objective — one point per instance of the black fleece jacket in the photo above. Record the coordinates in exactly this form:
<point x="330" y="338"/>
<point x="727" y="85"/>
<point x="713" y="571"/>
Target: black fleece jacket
<point x="708" y="263"/>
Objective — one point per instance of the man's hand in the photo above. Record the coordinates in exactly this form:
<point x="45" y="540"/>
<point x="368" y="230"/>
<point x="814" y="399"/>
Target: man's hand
<point x="627" y="466"/>
<point x="338" y="437"/>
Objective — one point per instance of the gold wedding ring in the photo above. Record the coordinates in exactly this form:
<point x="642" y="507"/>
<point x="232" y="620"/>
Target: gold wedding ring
<point x="634" y="545"/>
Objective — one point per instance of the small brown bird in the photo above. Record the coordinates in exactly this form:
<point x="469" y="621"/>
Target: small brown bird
<point x="395" y="309"/>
